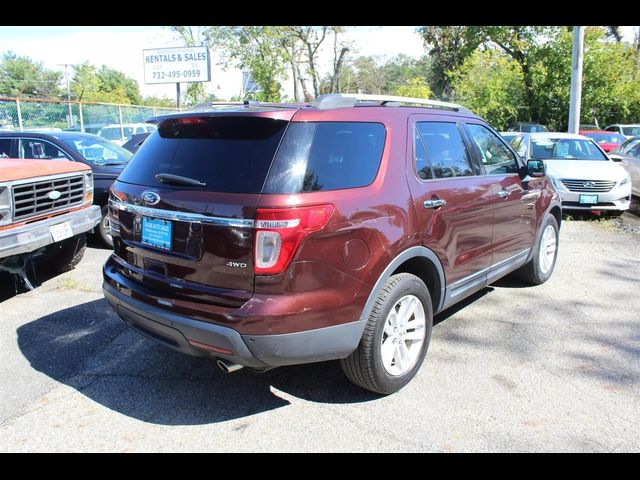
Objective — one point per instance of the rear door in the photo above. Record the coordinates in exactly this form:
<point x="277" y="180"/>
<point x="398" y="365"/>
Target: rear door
<point x="454" y="205"/>
<point x="185" y="205"/>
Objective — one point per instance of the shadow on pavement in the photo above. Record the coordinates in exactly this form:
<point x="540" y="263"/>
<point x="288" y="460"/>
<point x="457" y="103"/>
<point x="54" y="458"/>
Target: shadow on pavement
<point x="88" y="348"/>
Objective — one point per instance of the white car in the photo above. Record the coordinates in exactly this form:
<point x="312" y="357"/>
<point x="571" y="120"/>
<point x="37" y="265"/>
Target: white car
<point x="120" y="134"/>
<point x="627" y="130"/>
<point x="584" y="176"/>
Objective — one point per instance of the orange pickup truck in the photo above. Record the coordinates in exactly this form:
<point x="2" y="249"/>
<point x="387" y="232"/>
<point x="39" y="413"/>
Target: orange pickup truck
<point x="45" y="210"/>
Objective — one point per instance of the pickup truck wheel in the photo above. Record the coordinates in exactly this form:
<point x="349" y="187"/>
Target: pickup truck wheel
<point x="396" y="337"/>
<point x="65" y="255"/>
<point x="104" y="229"/>
<point x="540" y="267"/>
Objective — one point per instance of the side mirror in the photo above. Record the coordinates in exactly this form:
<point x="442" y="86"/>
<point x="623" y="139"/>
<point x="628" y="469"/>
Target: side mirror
<point x="536" y="168"/>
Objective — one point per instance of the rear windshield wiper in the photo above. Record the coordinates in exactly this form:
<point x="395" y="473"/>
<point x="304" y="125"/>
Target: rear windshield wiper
<point x="169" y="178"/>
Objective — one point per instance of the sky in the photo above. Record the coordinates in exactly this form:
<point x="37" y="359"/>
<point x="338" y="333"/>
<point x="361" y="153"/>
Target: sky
<point x="121" y="48"/>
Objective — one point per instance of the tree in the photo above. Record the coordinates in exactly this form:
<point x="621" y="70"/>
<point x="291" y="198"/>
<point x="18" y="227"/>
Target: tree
<point x="255" y="48"/>
<point x="21" y="76"/>
<point x="90" y="84"/>
<point x="490" y="84"/>
<point x="117" y="83"/>
<point x="415" y="87"/>
<point x="521" y="43"/>
<point x="448" y="47"/>
<point x="163" y="102"/>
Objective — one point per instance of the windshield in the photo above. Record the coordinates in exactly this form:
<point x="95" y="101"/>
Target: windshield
<point x="565" y="149"/>
<point x="631" y="131"/>
<point x="98" y="150"/>
<point x="614" y="138"/>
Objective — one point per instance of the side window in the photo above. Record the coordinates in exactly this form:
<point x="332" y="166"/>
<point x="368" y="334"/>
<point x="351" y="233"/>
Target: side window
<point x="494" y="155"/>
<point x="41" y="149"/>
<point x="5" y="147"/>
<point x="635" y="151"/>
<point x="423" y="165"/>
<point x="629" y="147"/>
<point x="446" y="149"/>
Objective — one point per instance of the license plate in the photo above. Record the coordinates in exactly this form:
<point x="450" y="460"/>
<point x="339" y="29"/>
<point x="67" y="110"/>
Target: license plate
<point x="588" y="199"/>
<point x="60" y="232"/>
<point x="157" y="232"/>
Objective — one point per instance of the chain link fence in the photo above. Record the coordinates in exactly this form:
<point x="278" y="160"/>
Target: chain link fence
<point x="25" y="114"/>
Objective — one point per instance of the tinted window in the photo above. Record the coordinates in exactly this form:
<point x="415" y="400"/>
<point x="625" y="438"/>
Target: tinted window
<point x="423" y="165"/>
<point x="446" y="150"/>
<point x="41" y="149"/>
<point x="228" y="153"/>
<point x="317" y="156"/>
<point x="494" y="155"/>
<point x="5" y="147"/>
<point x="605" y="137"/>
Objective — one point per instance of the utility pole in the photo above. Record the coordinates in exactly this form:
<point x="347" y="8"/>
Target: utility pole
<point x="70" y="122"/>
<point x="575" y="101"/>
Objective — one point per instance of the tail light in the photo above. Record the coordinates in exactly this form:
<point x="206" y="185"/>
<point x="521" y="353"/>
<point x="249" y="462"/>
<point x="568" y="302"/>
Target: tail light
<point x="279" y="232"/>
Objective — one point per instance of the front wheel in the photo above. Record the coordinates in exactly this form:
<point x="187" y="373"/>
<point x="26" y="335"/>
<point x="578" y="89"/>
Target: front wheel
<point x="540" y="267"/>
<point x="104" y="228"/>
<point x="395" y="338"/>
<point x="66" y="255"/>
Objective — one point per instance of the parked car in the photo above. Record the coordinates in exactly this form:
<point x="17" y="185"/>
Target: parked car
<point x="45" y="210"/>
<point x="627" y="130"/>
<point x="120" y="134"/>
<point x="628" y="154"/>
<point x="607" y="141"/>
<point x="508" y="136"/>
<point x="527" y="127"/>
<point x="104" y="157"/>
<point x="333" y="230"/>
<point x="583" y="175"/>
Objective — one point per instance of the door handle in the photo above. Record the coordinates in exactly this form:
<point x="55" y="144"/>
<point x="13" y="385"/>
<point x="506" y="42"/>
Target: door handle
<point x="435" y="203"/>
<point x="504" y="193"/>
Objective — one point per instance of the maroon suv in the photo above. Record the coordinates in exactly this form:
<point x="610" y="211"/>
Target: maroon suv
<point x="270" y="235"/>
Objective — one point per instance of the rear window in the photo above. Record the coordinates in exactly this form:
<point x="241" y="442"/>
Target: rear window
<point x="230" y="154"/>
<point x="318" y="156"/>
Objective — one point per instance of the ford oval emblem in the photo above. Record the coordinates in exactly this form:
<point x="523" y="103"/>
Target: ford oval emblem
<point x="54" y="195"/>
<point x="150" y="198"/>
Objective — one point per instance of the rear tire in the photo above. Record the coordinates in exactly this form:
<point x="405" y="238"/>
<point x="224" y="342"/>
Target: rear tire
<point x="66" y="255"/>
<point x="395" y="339"/>
<point x="540" y="267"/>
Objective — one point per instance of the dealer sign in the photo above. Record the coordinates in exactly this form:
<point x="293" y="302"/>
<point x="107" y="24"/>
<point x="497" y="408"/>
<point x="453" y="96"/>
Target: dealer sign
<point x="174" y="65"/>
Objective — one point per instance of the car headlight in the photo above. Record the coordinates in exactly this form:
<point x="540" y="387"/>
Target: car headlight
<point x="625" y="180"/>
<point x="88" y="188"/>
<point x="5" y="205"/>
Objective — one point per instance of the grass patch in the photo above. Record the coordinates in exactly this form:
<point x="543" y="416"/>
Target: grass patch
<point x="71" y="284"/>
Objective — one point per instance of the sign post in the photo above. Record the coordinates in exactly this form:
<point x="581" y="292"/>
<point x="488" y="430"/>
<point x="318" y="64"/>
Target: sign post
<point x="175" y="65"/>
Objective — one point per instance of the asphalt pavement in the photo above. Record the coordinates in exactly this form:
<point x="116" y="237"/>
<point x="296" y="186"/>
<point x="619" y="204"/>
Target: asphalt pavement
<point x="548" y="368"/>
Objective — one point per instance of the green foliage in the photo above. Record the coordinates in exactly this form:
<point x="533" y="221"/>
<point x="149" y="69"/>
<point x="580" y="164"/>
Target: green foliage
<point x="163" y="102"/>
<point x="525" y="73"/>
<point x="104" y="85"/>
<point x="257" y="49"/>
<point x="448" y="47"/>
<point x="491" y="85"/>
<point x="415" y="87"/>
<point x="21" y="76"/>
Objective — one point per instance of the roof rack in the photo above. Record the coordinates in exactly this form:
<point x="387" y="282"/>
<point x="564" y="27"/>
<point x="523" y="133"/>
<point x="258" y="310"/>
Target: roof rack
<point x="344" y="100"/>
<point x="206" y="105"/>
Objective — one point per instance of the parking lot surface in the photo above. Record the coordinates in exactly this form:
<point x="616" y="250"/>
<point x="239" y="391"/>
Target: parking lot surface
<point x="548" y="368"/>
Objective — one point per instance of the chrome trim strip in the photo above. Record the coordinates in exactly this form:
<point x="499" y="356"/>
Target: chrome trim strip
<point x="181" y="216"/>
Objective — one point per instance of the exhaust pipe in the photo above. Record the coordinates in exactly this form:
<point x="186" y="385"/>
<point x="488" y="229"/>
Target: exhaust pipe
<point x="228" y="367"/>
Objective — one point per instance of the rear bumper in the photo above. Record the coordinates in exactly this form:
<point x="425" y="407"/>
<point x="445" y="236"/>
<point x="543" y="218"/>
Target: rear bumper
<point x="30" y="237"/>
<point x="195" y="337"/>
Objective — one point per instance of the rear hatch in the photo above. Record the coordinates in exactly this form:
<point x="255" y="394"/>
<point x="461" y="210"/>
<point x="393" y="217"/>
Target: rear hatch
<point x="185" y="204"/>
